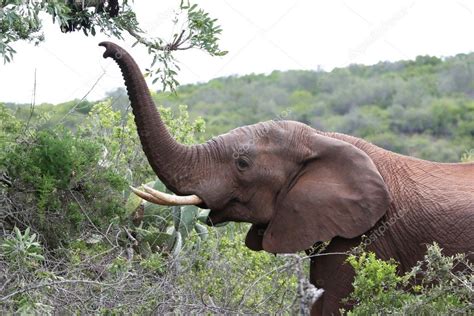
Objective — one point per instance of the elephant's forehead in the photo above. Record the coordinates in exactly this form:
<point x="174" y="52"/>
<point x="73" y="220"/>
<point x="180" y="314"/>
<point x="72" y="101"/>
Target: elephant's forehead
<point x="250" y="138"/>
<point x="248" y="135"/>
<point x="259" y="130"/>
<point x="257" y="137"/>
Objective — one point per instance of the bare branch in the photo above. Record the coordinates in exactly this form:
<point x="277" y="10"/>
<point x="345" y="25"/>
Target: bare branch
<point x="4" y="298"/>
<point x="89" y="219"/>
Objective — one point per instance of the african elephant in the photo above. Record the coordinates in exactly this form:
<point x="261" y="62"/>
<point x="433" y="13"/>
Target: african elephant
<point x="298" y="186"/>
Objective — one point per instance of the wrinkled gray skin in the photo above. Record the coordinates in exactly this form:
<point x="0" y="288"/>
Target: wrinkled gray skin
<point x="298" y="186"/>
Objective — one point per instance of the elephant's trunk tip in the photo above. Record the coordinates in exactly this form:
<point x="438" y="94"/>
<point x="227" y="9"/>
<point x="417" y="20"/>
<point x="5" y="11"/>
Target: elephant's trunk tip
<point x="112" y="50"/>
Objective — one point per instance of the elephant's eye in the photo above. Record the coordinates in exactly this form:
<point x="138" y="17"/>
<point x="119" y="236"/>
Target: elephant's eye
<point x="242" y="164"/>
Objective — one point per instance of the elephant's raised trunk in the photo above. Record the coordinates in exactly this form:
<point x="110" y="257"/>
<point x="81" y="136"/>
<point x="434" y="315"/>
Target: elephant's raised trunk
<point x="166" y="156"/>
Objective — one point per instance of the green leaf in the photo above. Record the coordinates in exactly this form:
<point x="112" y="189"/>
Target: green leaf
<point x="158" y="185"/>
<point x="18" y="233"/>
<point x="202" y="231"/>
<point x="154" y="60"/>
<point x="156" y="212"/>
<point x="176" y="213"/>
<point x="170" y="230"/>
<point x="37" y="256"/>
<point x="159" y="239"/>
<point x="178" y="245"/>
<point x="202" y="215"/>
<point x="93" y="239"/>
<point x="32" y="238"/>
<point x="187" y="219"/>
<point x="133" y="202"/>
<point x="144" y="249"/>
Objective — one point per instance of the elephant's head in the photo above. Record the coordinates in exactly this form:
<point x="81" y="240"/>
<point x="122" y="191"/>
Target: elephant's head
<point x="293" y="183"/>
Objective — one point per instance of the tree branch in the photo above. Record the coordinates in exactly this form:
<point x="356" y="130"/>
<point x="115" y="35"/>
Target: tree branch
<point x="173" y="46"/>
<point x="88" y="218"/>
<point x="4" y="298"/>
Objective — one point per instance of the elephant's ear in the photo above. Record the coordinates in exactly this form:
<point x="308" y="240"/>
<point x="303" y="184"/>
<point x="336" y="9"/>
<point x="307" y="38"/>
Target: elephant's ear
<point x="338" y="192"/>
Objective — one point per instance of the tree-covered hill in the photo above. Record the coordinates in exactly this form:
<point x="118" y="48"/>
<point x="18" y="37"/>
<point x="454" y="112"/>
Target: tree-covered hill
<point x="423" y="108"/>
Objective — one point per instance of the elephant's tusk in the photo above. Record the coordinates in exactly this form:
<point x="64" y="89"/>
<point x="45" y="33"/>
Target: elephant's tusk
<point x="157" y="197"/>
<point x="173" y="199"/>
<point x="147" y="197"/>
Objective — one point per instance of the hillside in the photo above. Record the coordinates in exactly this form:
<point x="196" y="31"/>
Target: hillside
<point x="423" y="108"/>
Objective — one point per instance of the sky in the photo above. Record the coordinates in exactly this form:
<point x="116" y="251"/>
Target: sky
<point x="261" y="36"/>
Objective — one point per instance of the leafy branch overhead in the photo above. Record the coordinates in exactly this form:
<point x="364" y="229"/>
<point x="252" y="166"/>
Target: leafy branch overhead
<point x="20" y="20"/>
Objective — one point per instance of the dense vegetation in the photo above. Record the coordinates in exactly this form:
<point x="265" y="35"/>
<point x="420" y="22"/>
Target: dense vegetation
<point x="432" y="287"/>
<point x="75" y="239"/>
<point x="70" y="225"/>
<point x="423" y="108"/>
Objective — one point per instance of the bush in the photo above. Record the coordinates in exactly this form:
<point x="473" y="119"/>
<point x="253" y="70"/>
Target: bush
<point x="22" y="251"/>
<point x="71" y="184"/>
<point x="215" y="277"/>
<point x="235" y="279"/>
<point x="10" y="128"/>
<point x="437" y="285"/>
<point x="59" y="186"/>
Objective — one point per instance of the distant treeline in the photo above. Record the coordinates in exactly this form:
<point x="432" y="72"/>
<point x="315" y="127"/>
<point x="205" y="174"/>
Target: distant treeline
<point x="423" y="108"/>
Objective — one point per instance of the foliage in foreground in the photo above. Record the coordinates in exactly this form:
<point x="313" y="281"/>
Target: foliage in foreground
<point x="249" y="282"/>
<point x="65" y="184"/>
<point x="58" y="182"/>
<point x="219" y="276"/>
<point x="437" y="285"/>
<point x="96" y="250"/>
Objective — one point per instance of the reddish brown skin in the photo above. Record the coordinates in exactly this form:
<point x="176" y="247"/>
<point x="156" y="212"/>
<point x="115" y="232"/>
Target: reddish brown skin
<point x="298" y="186"/>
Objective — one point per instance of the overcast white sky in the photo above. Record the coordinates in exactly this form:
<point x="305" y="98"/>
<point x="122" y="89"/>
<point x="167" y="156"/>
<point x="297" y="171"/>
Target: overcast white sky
<point x="260" y="36"/>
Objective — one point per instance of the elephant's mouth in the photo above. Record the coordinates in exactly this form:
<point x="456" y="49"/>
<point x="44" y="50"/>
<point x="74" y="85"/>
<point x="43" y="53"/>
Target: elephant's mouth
<point x="260" y="229"/>
<point x="232" y="213"/>
<point x="215" y="218"/>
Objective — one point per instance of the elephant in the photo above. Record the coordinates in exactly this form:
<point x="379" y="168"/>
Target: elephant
<point x="298" y="186"/>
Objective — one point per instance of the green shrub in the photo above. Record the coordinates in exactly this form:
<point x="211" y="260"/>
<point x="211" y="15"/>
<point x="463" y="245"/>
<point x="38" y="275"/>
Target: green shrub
<point x="376" y="285"/>
<point x="154" y="263"/>
<point x="22" y="250"/>
<point x="468" y="156"/>
<point x="117" y="133"/>
<point x="224" y="271"/>
<point x="61" y="186"/>
<point x="10" y="127"/>
<point x="55" y="154"/>
<point x="219" y="275"/>
<point x="437" y="285"/>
